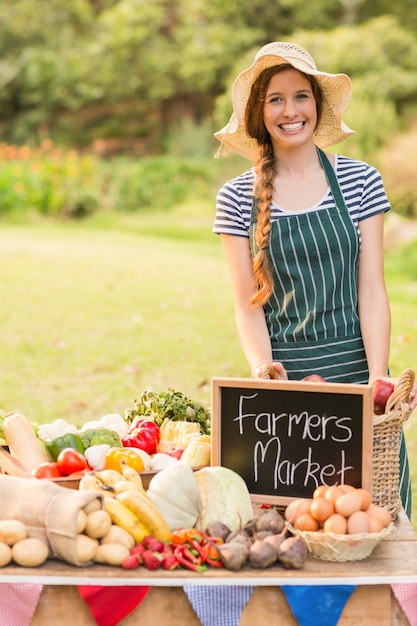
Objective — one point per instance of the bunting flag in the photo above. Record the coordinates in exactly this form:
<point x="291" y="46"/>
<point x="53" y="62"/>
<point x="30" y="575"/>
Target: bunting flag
<point x="317" y="605"/>
<point x="220" y="605"/>
<point x="407" y="598"/>
<point x="18" y="602"/>
<point x="109" y="605"/>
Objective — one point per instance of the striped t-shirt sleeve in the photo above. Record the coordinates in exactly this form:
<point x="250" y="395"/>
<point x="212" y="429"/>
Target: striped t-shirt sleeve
<point x="233" y="206"/>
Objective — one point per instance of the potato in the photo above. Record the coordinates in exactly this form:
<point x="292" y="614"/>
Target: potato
<point x="30" y="552"/>
<point x="81" y="521"/>
<point x="85" y="548"/>
<point x="94" y="505"/>
<point x="5" y="554"/>
<point x="98" y="524"/>
<point x="117" y="534"/>
<point x="12" y="531"/>
<point x="111" y="553"/>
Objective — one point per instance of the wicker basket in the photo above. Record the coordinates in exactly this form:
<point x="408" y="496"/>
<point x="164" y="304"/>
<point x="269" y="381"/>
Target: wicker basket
<point x="332" y="547"/>
<point x="386" y="445"/>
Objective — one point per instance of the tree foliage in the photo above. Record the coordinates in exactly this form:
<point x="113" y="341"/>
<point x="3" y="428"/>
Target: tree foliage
<point x="124" y="72"/>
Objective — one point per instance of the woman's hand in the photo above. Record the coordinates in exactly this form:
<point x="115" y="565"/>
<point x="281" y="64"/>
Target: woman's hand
<point x="272" y="370"/>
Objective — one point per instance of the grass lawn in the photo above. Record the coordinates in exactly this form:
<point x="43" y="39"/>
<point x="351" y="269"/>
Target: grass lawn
<point x="94" y="313"/>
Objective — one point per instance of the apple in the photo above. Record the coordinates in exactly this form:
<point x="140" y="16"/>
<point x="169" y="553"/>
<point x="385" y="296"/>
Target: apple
<point x="382" y="391"/>
<point x="314" y="378"/>
<point x="175" y="452"/>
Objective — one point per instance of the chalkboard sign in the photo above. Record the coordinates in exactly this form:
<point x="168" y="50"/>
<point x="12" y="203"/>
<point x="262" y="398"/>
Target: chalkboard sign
<point x="287" y="437"/>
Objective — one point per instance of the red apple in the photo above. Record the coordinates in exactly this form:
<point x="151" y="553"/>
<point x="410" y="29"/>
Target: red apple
<point x="314" y="378"/>
<point x="382" y="391"/>
<point x="175" y="452"/>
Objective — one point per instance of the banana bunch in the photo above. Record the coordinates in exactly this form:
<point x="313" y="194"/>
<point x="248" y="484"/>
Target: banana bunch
<point x="127" y="502"/>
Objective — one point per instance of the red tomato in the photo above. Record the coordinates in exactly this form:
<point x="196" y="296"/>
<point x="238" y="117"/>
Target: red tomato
<point x="49" y="469"/>
<point x="70" y="461"/>
<point x="81" y="473"/>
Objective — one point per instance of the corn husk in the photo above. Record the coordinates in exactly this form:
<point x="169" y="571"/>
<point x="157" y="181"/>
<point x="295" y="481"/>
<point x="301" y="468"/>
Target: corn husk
<point x="198" y="453"/>
<point x="179" y="432"/>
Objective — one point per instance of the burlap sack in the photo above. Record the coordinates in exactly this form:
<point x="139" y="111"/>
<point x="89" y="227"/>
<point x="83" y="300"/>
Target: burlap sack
<point x="48" y="510"/>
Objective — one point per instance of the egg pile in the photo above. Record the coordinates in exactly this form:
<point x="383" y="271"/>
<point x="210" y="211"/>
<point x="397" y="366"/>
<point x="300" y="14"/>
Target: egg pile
<point x="338" y="509"/>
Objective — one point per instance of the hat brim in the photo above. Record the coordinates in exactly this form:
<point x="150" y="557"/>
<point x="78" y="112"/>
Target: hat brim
<point x="336" y="92"/>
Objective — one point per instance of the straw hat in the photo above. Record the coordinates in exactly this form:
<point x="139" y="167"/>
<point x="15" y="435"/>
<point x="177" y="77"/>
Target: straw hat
<point x="336" y="92"/>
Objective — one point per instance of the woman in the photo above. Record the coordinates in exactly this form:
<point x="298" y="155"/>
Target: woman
<point x="302" y="230"/>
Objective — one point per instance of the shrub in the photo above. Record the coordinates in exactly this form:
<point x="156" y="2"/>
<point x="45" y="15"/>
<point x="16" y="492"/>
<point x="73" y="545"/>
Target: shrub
<point x="398" y="160"/>
<point x="47" y="180"/>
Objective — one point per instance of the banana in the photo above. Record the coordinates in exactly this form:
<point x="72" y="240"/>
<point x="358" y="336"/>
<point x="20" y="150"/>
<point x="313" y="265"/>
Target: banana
<point x="122" y="516"/>
<point x="132" y="475"/>
<point x="143" y="507"/>
<point x="124" y="485"/>
<point x="109" y="477"/>
<point x="90" y="482"/>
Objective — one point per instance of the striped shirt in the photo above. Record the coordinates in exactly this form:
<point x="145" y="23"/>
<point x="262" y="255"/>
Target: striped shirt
<point x="361" y="185"/>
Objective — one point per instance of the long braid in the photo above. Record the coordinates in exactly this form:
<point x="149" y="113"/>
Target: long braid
<point x="265" y="173"/>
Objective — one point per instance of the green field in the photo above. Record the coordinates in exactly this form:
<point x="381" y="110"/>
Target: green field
<point x="94" y="313"/>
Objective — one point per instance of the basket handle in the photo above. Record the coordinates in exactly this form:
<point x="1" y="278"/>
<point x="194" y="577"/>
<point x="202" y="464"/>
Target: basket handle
<point x="402" y="390"/>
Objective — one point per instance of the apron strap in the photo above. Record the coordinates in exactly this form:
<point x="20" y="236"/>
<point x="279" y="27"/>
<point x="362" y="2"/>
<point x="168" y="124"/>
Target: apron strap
<point x="332" y="179"/>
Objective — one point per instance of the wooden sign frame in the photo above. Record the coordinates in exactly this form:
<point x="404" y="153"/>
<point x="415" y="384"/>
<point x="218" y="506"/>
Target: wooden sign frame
<point x="256" y="423"/>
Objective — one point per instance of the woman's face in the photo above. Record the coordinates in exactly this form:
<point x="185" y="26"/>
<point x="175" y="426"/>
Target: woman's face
<point x="290" y="111"/>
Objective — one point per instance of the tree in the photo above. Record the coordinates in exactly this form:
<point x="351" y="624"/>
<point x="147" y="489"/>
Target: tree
<point x="82" y="70"/>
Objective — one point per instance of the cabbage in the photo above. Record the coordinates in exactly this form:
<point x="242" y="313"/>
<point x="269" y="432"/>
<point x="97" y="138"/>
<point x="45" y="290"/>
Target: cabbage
<point x="225" y="498"/>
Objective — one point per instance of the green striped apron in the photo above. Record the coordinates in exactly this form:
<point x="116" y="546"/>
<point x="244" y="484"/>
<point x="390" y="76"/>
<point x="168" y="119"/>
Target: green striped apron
<point x="312" y="314"/>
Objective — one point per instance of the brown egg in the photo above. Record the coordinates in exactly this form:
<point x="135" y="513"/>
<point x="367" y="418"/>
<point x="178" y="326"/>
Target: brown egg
<point x="321" y="509"/>
<point x="381" y="513"/>
<point x="347" y="488"/>
<point x="333" y="492"/>
<point x="297" y="508"/>
<point x="348" y="503"/>
<point x="306" y="522"/>
<point x="336" y="524"/>
<point x="320" y="491"/>
<point x="366" y="498"/>
<point x="375" y="523"/>
<point x="358" y="523"/>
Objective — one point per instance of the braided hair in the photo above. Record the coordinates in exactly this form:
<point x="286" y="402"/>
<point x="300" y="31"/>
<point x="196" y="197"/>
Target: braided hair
<point x="265" y="170"/>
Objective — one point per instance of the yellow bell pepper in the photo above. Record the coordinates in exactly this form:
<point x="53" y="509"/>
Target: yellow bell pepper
<point x="115" y="456"/>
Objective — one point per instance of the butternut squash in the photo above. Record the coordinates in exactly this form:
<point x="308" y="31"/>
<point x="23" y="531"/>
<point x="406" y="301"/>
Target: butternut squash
<point x="23" y="443"/>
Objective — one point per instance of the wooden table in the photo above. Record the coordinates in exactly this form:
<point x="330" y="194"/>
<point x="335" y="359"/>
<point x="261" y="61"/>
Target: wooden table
<point x="394" y="560"/>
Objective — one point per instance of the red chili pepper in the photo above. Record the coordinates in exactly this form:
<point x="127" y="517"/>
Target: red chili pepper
<point x="214" y="562"/>
<point x="213" y="538"/>
<point x="202" y="550"/>
<point x="191" y="555"/>
<point x="183" y="554"/>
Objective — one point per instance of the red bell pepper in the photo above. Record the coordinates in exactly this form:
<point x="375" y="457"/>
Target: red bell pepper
<point x="143" y="434"/>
